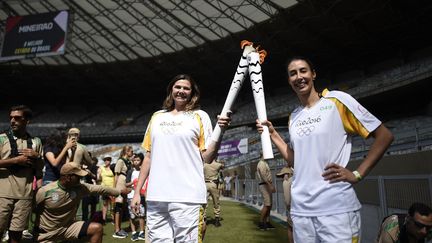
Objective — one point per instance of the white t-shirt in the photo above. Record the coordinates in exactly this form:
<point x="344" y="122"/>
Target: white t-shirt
<point x="321" y="135"/>
<point x="227" y="180"/>
<point x="134" y="176"/>
<point x="175" y="142"/>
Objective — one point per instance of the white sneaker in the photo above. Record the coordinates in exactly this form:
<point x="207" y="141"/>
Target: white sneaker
<point x="5" y="236"/>
<point x="27" y="235"/>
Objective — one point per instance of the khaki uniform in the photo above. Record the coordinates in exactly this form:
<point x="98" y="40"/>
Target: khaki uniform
<point x="16" y="182"/>
<point x="120" y="170"/>
<point x="393" y="229"/>
<point x="264" y="176"/>
<point x="286" y="173"/>
<point x="211" y="173"/>
<point x="80" y="156"/>
<point x="57" y="207"/>
<point x="389" y="231"/>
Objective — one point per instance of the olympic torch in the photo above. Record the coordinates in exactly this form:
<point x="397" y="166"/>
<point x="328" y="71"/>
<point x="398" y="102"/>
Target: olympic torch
<point x="236" y="84"/>
<point x="255" y="75"/>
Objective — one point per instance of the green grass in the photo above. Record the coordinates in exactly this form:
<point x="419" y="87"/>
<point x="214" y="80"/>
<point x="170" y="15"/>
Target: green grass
<point x="239" y="225"/>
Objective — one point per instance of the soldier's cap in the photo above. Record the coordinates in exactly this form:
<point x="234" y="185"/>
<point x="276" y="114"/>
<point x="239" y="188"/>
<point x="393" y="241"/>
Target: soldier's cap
<point x="72" y="169"/>
<point x="74" y="130"/>
<point x="107" y="158"/>
<point x="283" y="171"/>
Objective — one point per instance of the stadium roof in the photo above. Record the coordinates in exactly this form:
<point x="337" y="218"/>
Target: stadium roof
<point x="126" y="51"/>
<point x="110" y="31"/>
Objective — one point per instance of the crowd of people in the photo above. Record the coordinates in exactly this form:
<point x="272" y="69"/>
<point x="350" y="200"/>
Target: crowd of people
<point x="60" y="174"/>
<point x="54" y="178"/>
<point x="176" y="192"/>
<point x="166" y="187"/>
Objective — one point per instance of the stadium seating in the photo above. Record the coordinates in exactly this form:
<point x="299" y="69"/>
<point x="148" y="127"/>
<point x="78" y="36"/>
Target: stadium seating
<point x="127" y="120"/>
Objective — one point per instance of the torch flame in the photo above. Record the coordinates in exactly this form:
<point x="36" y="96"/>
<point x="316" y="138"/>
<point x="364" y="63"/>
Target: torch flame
<point x="262" y="53"/>
<point x="244" y="43"/>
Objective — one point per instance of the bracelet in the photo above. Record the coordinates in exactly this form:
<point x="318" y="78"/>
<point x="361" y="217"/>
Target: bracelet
<point x="357" y="175"/>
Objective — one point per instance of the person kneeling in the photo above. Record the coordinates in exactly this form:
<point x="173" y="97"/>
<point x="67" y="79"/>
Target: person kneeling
<point x="57" y="204"/>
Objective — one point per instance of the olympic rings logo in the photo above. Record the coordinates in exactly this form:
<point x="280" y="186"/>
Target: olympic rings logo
<point x="305" y="131"/>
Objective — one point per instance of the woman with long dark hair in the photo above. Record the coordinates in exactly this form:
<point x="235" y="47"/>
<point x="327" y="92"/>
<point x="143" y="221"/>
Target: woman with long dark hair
<point x="177" y="142"/>
<point x="324" y="206"/>
<point x="55" y="153"/>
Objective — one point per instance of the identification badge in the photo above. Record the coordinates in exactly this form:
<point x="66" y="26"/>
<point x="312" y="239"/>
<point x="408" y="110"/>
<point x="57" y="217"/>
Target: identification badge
<point x="55" y="197"/>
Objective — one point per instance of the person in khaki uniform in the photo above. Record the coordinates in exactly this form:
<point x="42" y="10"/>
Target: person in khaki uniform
<point x="57" y="204"/>
<point x="286" y="174"/>
<point x="121" y="169"/>
<point x="211" y="173"/>
<point x="79" y="153"/>
<point x="416" y="226"/>
<point x="20" y="161"/>
<point x="266" y="188"/>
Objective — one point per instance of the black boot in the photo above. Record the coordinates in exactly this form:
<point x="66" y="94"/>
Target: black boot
<point x="217" y="223"/>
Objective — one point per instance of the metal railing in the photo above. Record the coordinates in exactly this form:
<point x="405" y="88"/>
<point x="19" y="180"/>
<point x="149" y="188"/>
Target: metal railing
<point x="384" y="194"/>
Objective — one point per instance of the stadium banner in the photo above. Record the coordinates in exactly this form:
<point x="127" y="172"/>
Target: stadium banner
<point x="233" y="148"/>
<point x="34" y="35"/>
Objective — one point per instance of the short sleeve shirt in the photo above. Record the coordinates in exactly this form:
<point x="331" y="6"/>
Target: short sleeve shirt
<point x="321" y="135"/>
<point x="57" y="206"/>
<point x="263" y="172"/>
<point x="120" y="170"/>
<point x="175" y="142"/>
<point x="81" y="155"/>
<point x="52" y="173"/>
<point x="17" y="181"/>
<point x="211" y="171"/>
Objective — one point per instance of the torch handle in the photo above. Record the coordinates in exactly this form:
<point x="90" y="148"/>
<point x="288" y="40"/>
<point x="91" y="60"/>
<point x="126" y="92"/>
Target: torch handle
<point x="255" y="74"/>
<point x="236" y="85"/>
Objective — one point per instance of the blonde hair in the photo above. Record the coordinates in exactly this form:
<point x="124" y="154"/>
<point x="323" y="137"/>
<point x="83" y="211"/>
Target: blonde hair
<point x="124" y="150"/>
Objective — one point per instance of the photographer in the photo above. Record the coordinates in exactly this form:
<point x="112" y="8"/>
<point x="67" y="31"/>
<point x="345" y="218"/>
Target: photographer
<point x="77" y="154"/>
<point x="20" y="161"/>
<point x="55" y="150"/>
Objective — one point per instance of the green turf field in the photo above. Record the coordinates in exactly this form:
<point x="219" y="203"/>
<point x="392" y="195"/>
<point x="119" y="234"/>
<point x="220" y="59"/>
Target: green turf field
<point x="238" y="226"/>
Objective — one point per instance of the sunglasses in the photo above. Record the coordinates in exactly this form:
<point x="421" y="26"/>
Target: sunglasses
<point x="16" y="118"/>
<point x="421" y="226"/>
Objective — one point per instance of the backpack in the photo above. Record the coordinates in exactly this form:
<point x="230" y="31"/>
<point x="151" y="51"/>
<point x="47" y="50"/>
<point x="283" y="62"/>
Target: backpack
<point x="220" y="178"/>
<point x="14" y="148"/>
<point x="112" y="167"/>
<point x="129" y="169"/>
<point x="13" y="144"/>
<point x="403" y="237"/>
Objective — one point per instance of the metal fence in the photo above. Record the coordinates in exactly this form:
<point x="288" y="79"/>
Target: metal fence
<point x="379" y="195"/>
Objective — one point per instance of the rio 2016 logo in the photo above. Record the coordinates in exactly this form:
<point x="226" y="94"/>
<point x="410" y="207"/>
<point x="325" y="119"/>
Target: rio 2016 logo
<point x="308" y="121"/>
